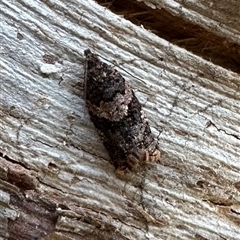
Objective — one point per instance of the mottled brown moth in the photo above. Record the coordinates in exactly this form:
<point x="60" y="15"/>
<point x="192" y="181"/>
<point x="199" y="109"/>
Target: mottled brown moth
<point x="118" y="116"/>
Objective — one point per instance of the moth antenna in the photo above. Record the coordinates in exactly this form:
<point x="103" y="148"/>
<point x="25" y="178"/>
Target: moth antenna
<point x="86" y="53"/>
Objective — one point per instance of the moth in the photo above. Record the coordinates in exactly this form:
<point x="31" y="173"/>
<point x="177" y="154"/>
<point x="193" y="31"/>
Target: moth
<point x="118" y="116"/>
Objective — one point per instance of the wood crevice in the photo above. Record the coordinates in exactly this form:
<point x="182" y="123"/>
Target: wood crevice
<point x="175" y="29"/>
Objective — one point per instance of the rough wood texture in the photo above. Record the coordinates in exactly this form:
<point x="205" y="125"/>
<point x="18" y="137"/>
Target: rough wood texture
<point x="209" y="29"/>
<point x="55" y="180"/>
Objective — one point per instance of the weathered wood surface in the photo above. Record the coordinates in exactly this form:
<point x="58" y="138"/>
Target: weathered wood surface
<point x="55" y="178"/>
<point x="215" y="16"/>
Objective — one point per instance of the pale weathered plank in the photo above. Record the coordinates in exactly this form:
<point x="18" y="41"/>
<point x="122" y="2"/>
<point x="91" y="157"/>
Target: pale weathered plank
<point x="53" y="162"/>
<point x="218" y="17"/>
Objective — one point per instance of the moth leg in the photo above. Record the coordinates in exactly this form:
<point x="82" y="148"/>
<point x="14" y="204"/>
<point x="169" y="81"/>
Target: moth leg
<point x="132" y="161"/>
<point x="121" y="171"/>
<point x="155" y="156"/>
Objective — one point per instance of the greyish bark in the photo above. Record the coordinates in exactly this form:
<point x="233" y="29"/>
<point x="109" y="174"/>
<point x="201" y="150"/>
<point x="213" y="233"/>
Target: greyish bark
<point x="56" y="181"/>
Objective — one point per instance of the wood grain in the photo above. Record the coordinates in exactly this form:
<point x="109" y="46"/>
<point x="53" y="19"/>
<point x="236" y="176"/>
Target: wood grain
<point x="55" y="180"/>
